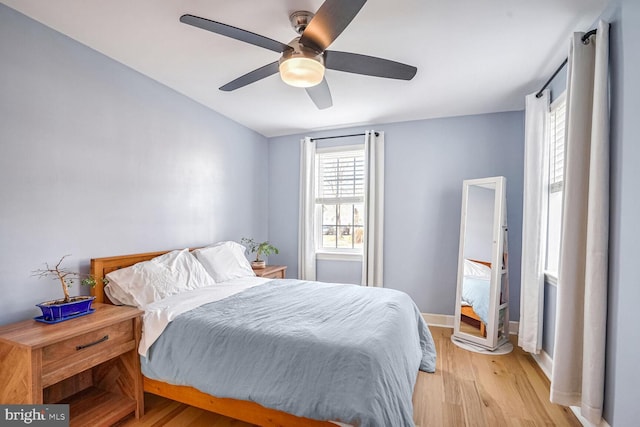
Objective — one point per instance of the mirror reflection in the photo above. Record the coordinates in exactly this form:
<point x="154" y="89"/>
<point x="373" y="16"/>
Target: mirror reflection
<point x="477" y="254"/>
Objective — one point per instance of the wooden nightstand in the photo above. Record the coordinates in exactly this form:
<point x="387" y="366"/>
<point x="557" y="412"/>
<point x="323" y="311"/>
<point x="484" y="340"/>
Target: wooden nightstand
<point x="271" y="271"/>
<point x="90" y="362"/>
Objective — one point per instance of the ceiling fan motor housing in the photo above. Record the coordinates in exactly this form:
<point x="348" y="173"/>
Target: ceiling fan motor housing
<point x="299" y="20"/>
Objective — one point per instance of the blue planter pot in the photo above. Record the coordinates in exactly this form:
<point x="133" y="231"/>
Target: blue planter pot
<point x="53" y="312"/>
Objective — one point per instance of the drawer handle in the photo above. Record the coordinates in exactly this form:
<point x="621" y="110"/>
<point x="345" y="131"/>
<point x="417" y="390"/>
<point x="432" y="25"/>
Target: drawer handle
<point x="103" y="339"/>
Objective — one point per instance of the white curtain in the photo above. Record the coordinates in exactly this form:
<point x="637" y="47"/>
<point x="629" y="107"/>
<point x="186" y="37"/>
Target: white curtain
<point x="306" y="232"/>
<point x="577" y="377"/>
<point x="534" y="222"/>
<point x="373" y="241"/>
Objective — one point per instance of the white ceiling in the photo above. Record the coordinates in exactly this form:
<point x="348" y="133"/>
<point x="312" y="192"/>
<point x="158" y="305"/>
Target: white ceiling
<point x="473" y="56"/>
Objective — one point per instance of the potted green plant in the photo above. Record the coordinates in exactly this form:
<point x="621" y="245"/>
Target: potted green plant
<point x="263" y="248"/>
<point x="69" y="306"/>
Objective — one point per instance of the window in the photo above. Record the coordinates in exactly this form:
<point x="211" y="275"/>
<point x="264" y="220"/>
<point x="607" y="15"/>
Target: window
<point x="340" y="199"/>
<point x="555" y="141"/>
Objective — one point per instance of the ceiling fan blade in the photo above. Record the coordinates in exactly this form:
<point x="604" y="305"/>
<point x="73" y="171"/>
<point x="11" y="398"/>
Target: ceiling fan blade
<point x="368" y="65"/>
<point x="320" y="95"/>
<point x="234" y="33"/>
<point x="329" y="21"/>
<point x="251" y="77"/>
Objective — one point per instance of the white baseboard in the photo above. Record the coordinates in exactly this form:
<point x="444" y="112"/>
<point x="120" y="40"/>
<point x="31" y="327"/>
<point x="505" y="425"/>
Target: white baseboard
<point x="447" y="321"/>
<point x="546" y="362"/>
<point x="583" y="420"/>
<point x="442" y="320"/>
<point x="514" y="327"/>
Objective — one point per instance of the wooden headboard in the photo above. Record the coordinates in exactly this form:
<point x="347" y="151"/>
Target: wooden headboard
<point x="100" y="267"/>
<point x="488" y="264"/>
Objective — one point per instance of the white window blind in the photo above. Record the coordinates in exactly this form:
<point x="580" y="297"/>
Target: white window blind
<point x="341" y="177"/>
<point x="556" y="146"/>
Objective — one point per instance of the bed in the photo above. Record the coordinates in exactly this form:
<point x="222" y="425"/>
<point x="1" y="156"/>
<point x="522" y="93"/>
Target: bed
<point x="468" y="312"/>
<point x="279" y="414"/>
<point x="476" y="292"/>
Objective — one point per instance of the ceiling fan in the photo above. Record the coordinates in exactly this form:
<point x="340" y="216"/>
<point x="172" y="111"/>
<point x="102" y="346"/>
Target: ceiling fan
<point x="305" y="58"/>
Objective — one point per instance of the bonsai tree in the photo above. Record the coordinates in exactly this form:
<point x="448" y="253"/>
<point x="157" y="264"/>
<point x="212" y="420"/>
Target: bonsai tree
<point x="65" y="277"/>
<point x="259" y="249"/>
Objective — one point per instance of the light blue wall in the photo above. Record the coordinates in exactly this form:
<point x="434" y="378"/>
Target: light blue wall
<point x="98" y="160"/>
<point x="623" y="333"/>
<point x="425" y="164"/>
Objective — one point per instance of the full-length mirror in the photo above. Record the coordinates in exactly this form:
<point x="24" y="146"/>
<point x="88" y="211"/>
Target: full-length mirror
<point x="481" y="312"/>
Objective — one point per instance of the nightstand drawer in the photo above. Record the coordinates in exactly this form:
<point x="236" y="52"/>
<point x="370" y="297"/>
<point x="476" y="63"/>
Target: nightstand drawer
<point x="69" y="357"/>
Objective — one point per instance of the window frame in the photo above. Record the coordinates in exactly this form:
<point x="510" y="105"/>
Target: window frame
<point x="551" y="276"/>
<point x="333" y="254"/>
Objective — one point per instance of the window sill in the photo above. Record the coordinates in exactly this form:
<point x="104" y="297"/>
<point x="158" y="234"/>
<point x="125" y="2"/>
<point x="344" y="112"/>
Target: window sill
<point x="551" y="278"/>
<point x="338" y="256"/>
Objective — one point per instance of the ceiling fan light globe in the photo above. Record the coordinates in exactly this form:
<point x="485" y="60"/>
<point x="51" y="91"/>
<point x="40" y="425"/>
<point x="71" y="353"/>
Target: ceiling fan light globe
<point x="301" y="72"/>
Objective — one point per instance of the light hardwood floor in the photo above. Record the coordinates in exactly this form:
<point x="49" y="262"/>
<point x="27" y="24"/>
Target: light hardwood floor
<point x="467" y="389"/>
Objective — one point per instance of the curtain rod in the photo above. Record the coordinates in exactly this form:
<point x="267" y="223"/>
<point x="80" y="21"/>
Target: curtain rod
<point x="341" y="136"/>
<point x="585" y="39"/>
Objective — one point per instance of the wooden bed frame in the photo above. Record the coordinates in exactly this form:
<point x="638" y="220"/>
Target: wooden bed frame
<point x="467" y="311"/>
<point x="247" y="411"/>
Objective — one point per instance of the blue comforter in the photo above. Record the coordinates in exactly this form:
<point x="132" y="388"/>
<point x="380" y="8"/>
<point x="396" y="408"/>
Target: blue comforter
<point x="476" y="292"/>
<point x="317" y="350"/>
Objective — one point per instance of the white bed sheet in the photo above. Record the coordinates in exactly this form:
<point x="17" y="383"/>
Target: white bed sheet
<point x="159" y="314"/>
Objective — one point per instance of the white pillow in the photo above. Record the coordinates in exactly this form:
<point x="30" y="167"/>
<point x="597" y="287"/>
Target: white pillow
<point x="150" y="281"/>
<point x="477" y="270"/>
<point x="224" y="261"/>
<point x="117" y="296"/>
